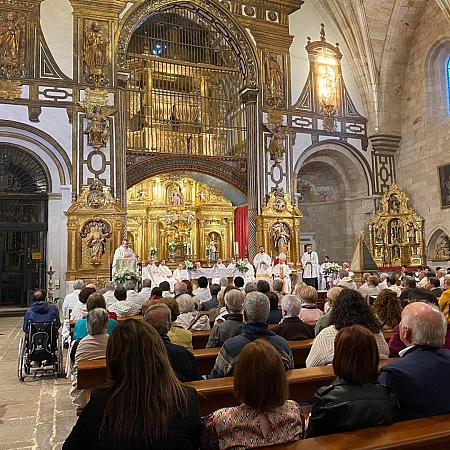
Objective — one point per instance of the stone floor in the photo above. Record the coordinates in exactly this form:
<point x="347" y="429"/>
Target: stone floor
<point x="35" y="414"/>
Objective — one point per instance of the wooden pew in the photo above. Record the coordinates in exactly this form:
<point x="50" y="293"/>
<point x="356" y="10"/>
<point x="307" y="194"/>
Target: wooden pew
<point x="303" y="383"/>
<point x="427" y="433"/>
<point x="200" y="339"/>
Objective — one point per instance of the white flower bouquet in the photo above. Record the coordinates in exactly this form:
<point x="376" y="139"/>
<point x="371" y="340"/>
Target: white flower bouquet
<point x="171" y="246"/>
<point x="153" y="251"/>
<point x="241" y="266"/>
<point x="331" y="268"/>
<point x="189" y="265"/>
<point x="123" y="275"/>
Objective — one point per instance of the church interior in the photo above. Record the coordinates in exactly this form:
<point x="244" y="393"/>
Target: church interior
<point x="206" y="128"/>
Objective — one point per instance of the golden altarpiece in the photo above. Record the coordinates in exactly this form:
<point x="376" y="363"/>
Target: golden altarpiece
<point x="181" y="218"/>
<point x="278" y="227"/>
<point x="396" y="232"/>
<point x="96" y="223"/>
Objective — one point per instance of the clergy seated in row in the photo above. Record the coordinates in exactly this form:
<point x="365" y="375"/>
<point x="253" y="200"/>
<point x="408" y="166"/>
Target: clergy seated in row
<point x="124" y="307"/>
<point x="181" y="359"/>
<point x="233" y="319"/>
<point x="256" y="311"/>
<point x="292" y="328"/>
<point x="309" y="312"/>
<point x="158" y="273"/>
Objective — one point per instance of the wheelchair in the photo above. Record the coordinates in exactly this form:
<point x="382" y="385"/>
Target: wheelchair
<point x="42" y="346"/>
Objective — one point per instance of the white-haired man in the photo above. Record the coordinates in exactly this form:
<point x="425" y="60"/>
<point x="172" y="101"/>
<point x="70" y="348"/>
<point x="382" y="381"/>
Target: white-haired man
<point x="418" y="378"/>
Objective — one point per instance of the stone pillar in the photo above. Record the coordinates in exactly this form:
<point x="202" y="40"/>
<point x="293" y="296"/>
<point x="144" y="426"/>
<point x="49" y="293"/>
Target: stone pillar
<point x="383" y="161"/>
<point x="250" y="98"/>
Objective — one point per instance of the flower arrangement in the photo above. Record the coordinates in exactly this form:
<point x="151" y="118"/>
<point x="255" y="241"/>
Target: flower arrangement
<point x="189" y="265"/>
<point x="331" y="268"/>
<point x="241" y="266"/>
<point x="171" y="246"/>
<point x="123" y="275"/>
<point x="208" y="250"/>
<point x="153" y="251"/>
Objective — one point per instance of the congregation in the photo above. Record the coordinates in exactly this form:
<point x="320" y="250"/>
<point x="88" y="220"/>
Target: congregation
<point x="252" y="324"/>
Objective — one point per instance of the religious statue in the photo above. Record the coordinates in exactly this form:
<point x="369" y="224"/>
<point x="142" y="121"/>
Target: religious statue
<point x="96" y="234"/>
<point x="327" y="88"/>
<point x="280" y="234"/>
<point x="9" y="43"/>
<point x="394" y="203"/>
<point x="442" y="247"/>
<point x="274" y="79"/>
<point x="395" y="252"/>
<point x="98" y="128"/>
<point x="94" y="51"/>
<point x="379" y="235"/>
<point x="395" y="231"/>
<point x="276" y="146"/>
<point x="411" y="232"/>
<point x="175" y="198"/>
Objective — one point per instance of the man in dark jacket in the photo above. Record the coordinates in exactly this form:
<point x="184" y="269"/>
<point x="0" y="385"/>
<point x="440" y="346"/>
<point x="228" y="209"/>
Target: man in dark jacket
<point x="41" y="311"/>
<point x="418" y="378"/>
<point x="181" y="359"/>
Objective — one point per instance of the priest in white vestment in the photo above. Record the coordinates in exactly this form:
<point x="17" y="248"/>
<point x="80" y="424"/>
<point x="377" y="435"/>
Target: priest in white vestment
<point x="262" y="262"/>
<point x="166" y="274"/>
<point x="124" y="251"/>
<point x="282" y="272"/>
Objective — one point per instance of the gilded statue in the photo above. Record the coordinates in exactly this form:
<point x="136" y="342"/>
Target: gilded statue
<point x="96" y="234"/>
<point x="98" y="128"/>
<point x="94" y="51"/>
<point x="274" y="78"/>
<point x="9" y="43"/>
<point x="276" y="146"/>
<point x="280" y="234"/>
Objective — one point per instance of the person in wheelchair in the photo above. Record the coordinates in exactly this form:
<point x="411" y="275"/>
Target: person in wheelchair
<point x="41" y="311"/>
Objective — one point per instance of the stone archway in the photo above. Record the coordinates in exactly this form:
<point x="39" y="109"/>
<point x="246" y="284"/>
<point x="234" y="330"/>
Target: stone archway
<point x="333" y="184"/>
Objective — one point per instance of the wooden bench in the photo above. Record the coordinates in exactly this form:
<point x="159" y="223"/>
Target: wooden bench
<point x="303" y="383"/>
<point x="200" y="339"/>
<point x="427" y="433"/>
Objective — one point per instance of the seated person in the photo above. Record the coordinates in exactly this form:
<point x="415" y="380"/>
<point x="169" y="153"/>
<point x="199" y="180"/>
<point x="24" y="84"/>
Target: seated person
<point x="80" y="310"/>
<point x="263" y="286"/>
<point x="418" y="378"/>
<point x="189" y="318"/>
<point x="90" y="347"/>
<point x="309" y="312"/>
<point x="202" y="292"/>
<point x="165" y="286"/>
<point x="345" y="279"/>
<point x="109" y="293"/>
<point x="146" y="290"/>
<point x="331" y="298"/>
<point x="142" y="386"/>
<point x="95" y="300"/>
<point x="265" y="414"/>
<point x="123" y="307"/>
<point x="41" y="311"/>
<point x="292" y="328"/>
<point x="233" y="323"/>
<point x="211" y="304"/>
<point x="182" y="360"/>
<point x="349" y="309"/>
<point x="388" y="309"/>
<point x="277" y="288"/>
<point x="239" y="283"/>
<point x="275" y="313"/>
<point x="355" y="399"/>
<point x="256" y="311"/>
<point x="132" y="295"/>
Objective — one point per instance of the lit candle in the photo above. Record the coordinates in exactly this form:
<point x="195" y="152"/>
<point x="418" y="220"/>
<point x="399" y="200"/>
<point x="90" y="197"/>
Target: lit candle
<point x="51" y="264"/>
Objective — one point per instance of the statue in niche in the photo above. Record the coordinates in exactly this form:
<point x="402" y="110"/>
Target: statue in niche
<point x="274" y="78"/>
<point x="442" y="247"/>
<point x="280" y="234"/>
<point x="176" y="198"/>
<point x="394" y="204"/>
<point x="98" y="128"/>
<point x="379" y="235"/>
<point x="395" y="231"/>
<point x="94" y="51"/>
<point x="411" y="233"/>
<point x="395" y="252"/>
<point x="9" y="42"/>
<point x="96" y="239"/>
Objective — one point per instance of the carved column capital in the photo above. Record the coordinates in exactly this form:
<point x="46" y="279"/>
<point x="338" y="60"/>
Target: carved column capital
<point x="385" y="143"/>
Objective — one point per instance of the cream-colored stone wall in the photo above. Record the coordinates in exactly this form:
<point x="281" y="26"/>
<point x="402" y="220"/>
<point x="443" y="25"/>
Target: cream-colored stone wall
<point x="425" y="138"/>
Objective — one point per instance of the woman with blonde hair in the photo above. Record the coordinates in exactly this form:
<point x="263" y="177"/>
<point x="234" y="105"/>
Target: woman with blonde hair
<point x="266" y="417"/>
<point x="143" y="405"/>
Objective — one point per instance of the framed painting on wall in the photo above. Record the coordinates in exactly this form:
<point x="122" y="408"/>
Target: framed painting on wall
<point x="444" y="185"/>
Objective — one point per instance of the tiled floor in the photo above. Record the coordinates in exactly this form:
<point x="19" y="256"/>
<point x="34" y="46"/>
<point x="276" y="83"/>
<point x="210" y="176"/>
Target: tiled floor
<point x="35" y="414"/>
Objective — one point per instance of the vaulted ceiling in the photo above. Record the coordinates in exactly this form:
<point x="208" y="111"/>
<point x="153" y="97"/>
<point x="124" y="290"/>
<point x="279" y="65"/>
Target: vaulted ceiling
<point x="377" y="36"/>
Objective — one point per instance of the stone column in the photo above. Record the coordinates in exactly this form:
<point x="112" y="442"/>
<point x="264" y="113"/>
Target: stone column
<point x="383" y="162"/>
<point x="250" y="98"/>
